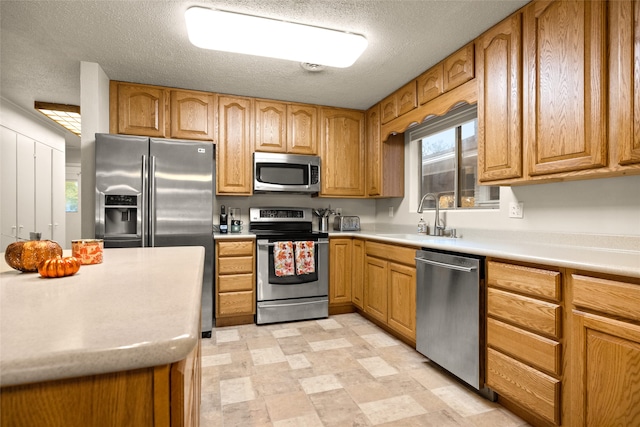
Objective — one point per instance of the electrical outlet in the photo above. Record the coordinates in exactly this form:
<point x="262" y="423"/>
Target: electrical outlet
<point x="390" y="211"/>
<point x="516" y="209"/>
<point x="338" y="211"/>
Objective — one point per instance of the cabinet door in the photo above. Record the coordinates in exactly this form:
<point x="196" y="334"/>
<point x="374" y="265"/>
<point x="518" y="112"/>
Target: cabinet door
<point x="388" y="109"/>
<point x="402" y="299"/>
<point x="374" y="152"/>
<point x="58" y="197"/>
<point x="44" y="222"/>
<point x="605" y="377"/>
<point x="342" y="152"/>
<point x="458" y="68"/>
<point x="26" y="206"/>
<point x="406" y="98"/>
<point x="8" y="184"/>
<point x="302" y="129"/>
<point x="340" y="271"/>
<point x="499" y="77"/>
<point x="375" y="290"/>
<point x="271" y="126"/>
<point x="624" y="66"/>
<point x="357" y="273"/>
<point x="430" y="84"/>
<point x="233" y="151"/>
<point x="192" y="115"/>
<point x="141" y="110"/>
<point x="565" y="77"/>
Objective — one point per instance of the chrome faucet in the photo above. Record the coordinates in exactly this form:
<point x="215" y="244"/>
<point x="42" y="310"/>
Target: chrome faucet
<point x="437" y="228"/>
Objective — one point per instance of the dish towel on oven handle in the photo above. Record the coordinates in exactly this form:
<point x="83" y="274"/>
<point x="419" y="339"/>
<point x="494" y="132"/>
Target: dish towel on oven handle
<point x="305" y="257"/>
<point x="283" y="258"/>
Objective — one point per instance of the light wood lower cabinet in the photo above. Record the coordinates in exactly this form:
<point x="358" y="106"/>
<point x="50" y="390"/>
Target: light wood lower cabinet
<point x="525" y="337"/>
<point x="605" y="357"/>
<point x="160" y="396"/>
<point x="235" y="282"/>
<point x="390" y="287"/>
<point x="346" y="274"/>
<point x="357" y="273"/>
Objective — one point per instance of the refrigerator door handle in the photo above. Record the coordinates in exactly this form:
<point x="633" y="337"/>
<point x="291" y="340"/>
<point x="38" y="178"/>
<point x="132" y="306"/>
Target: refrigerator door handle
<point x="152" y="204"/>
<point x="145" y="196"/>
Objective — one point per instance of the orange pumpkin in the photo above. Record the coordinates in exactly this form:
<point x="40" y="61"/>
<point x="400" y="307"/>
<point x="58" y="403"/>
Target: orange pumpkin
<point x="27" y="255"/>
<point x="59" y="267"/>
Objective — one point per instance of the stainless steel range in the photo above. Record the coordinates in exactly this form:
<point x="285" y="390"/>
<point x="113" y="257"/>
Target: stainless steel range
<point x="292" y="265"/>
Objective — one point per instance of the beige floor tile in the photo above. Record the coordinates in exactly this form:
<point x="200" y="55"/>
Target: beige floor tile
<point x="236" y="390"/>
<point x="328" y="324"/>
<point x="298" y="361"/>
<point x="392" y="409"/>
<point x="288" y="405"/>
<point x="309" y="420"/>
<point x="463" y="401"/>
<point x="294" y="345"/>
<point x="288" y="332"/>
<point x="216" y="359"/>
<point x="330" y="344"/>
<point x="497" y="418"/>
<point x="379" y="340"/>
<point x="246" y="414"/>
<point x="227" y="335"/>
<point x="336" y="408"/>
<point x="266" y="356"/>
<point x="377" y="367"/>
<point x="320" y="383"/>
<point x="368" y="391"/>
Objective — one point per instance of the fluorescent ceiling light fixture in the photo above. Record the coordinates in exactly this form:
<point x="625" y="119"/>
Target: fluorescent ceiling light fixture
<point x="67" y="116"/>
<point x="253" y="35"/>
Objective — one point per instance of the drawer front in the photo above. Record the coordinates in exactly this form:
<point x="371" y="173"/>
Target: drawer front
<point x="235" y="265"/>
<point x="527" y="280"/>
<point x="234" y="248"/>
<point x="535" y="350"/>
<point x="398" y="254"/>
<point x="529" y="387"/>
<point x="538" y="316"/>
<point x="235" y="283"/>
<point x="236" y="303"/>
<point x="608" y="296"/>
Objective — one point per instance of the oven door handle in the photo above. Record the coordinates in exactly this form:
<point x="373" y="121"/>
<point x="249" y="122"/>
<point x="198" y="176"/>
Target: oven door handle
<point x="288" y="304"/>
<point x="273" y="244"/>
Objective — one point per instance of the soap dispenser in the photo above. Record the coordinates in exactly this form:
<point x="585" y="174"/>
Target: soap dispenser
<point x="422" y="226"/>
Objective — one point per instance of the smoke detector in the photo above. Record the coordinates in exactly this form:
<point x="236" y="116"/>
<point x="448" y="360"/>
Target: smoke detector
<point x="313" y="68"/>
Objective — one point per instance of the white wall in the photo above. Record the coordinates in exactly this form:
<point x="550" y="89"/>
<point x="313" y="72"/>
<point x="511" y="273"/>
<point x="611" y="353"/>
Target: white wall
<point x="94" y="104"/>
<point x="29" y="124"/>
<point x="595" y="206"/>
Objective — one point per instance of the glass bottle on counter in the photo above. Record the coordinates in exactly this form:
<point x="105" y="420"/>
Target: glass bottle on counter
<point x="224" y="226"/>
<point x="422" y="226"/>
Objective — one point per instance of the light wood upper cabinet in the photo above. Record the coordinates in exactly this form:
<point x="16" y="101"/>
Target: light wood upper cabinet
<point x="565" y="75"/>
<point x="430" y="84"/>
<point x="458" y="68"/>
<point x="286" y="128"/>
<point x="385" y="160"/>
<point x="271" y="126"/>
<point x="624" y="80"/>
<point x="235" y="144"/>
<point x="343" y="153"/>
<point x="499" y="77"/>
<point x="388" y="109"/>
<point x="138" y="109"/>
<point x="192" y="115"/>
<point x="302" y="129"/>
<point x="400" y="102"/>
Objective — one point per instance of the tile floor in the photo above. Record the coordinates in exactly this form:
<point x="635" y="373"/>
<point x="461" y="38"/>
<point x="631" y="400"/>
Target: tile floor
<point x="341" y="371"/>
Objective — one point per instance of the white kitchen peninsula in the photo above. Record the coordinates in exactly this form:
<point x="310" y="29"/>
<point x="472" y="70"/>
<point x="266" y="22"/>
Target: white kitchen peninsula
<point x="126" y="332"/>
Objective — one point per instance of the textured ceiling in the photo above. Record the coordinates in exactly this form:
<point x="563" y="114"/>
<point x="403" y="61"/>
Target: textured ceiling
<point x="43" y="42"/>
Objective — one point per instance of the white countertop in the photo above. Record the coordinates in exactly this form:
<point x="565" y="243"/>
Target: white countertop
<point x="610" y="254"/>
<point x="618" y="255"/>
<point x="139" y="308"/>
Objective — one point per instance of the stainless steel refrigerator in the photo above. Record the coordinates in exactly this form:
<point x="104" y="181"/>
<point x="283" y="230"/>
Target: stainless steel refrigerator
<point x="157" y="192"/>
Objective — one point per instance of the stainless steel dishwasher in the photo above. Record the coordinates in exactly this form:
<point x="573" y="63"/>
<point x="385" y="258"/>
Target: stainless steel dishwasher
<point x="449" y="329"/>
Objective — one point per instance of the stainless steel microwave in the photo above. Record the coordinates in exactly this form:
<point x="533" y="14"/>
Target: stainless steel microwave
<point x="289" y="173"/>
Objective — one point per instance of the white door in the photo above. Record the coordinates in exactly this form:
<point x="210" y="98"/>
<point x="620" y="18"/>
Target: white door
<point x="8" y="154"/>
<point x="58" y="197"/>
<point x="44" y="224"/>
<point x="25" y="195"/>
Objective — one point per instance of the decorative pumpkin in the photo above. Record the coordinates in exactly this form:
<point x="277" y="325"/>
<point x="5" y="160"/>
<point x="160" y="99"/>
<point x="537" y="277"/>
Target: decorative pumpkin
<point x="27" y="255"/>
<point x="59" y="267"/>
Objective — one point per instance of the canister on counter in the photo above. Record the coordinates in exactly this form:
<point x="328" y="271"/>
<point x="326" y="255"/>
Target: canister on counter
<point x="88" y="251"/>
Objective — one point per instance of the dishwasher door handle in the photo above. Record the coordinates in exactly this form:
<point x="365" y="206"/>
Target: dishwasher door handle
<point x="445" y="265"/>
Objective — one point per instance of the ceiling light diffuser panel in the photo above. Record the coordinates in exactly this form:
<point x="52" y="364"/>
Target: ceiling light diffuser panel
<point x="253" y="35"/>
